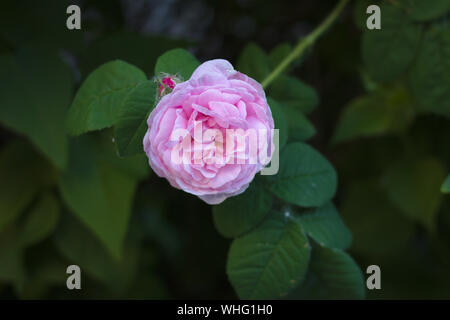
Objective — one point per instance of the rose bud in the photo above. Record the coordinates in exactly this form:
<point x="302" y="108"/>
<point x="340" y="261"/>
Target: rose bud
<point x="212" y="133"/>
<point x="166" y="83"/>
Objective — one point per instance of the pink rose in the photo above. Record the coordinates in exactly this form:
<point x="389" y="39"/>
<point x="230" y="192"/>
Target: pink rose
<point x="190" y="139"/>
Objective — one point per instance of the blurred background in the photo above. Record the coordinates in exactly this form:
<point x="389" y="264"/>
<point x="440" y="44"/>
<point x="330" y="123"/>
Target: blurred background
<point x="172" y="249"/>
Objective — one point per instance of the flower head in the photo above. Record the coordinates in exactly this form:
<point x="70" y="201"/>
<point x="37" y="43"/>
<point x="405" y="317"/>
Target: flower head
<point x="212" y="133"/>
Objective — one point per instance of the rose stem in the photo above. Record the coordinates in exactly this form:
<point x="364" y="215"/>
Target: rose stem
<point x="304" y="43"/>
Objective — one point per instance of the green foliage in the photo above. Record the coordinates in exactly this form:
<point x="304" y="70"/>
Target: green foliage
<point x="100" y="100"/>
<point x="324" y="225"/>
<point x="422" y="10"/>
<point x="238" y="215"/>
<point x="366" y="208"/>
<point x="291" y="92"/>
<point x="293" y="98"/>
<point x="391" y="188"/>
<point x="254" y="62"/>
<point x="300" y="128"/>
<point x="421" y="50"/>
<point x="41" y="221"/>
<point x="270" y="255"/>
<point x="305" y="178"/>
<point x="35" y="90"/>
<point x="280" y="121"/>
<point x="119" y="94"/>
<point x="45" y="273"/>
<point x="387" y="110"/>
<point x="388" y="52"/>
<point x="362" y="117"/>
<point x="290" y="96"/>
<point x="23" y="173"/>
<point x="332" y="274"/>
<point x="132" y="122"/>
<point x="177" y="61"/>
<point x="279" y="53"/>
<point x="80" y="246"/>
<point x="270" y="261"/>
<point x="430" y="75"/>
<point x="413" y="186"/>
<point x="446" y="185"/>
<point x="290" y="122"/>
<point x="81" y="206"/>
<point x="99" y="189"/>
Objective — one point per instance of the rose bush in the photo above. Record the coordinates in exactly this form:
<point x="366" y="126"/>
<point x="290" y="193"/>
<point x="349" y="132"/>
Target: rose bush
<point x="219" y="99"/>
<point x="87" y="198"/>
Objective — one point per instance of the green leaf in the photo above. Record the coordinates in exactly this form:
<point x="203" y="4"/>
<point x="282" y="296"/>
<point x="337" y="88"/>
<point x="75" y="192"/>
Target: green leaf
<point x="324" y="225"/>
<point x="23" y="173"/>
<point x="291" y="92"/>
<point x="292" y="124"/>
<point x="134" y="166"/>
<point x="280" y="121"/>
<point x="332" y="274"/>
<point x="413" y="186"/>
<point x="99" y="187"/>
<point x="446" y="185"/>
<point x="100" y="100"/>
<point x="270" y="261"/>
<point x="305" y="178"/>
<point x="362" y="117"/>
<point x="177" y="61"/>
<point x="430" y="76"/>
<point x="132" y="123"/>
<point x="238" y="215"/>
<point x="41" y="221"/>
<point x="35" y="91"/>
<point x="254" y="62"/>
<point x="388" y="52"/>
<point x="81" y="247"/>
<point x="280" y="52"/>
<point x="423" y="10"/>
<point x="384" y="111"/>
<point x="300" y="128"/>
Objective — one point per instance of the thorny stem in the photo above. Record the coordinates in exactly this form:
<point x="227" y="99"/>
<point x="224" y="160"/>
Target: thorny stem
<point x="304" y="43"/>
